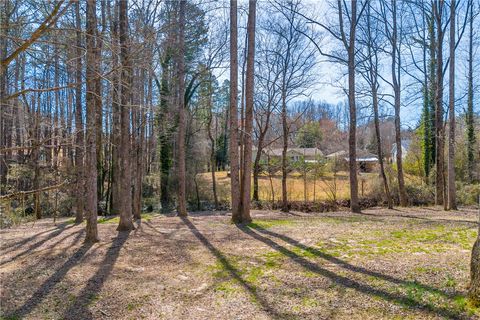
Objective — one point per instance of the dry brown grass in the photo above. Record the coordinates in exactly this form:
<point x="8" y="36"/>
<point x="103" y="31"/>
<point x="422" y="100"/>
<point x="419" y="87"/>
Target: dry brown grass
<point x="382" y="264"/>
<point x="321" y="189"/>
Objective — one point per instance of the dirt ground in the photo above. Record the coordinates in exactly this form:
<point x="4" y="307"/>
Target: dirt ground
<point x="382" y="264"/>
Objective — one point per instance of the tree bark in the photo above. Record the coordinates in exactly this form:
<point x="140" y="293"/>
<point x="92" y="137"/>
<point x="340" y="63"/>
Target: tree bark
<point x="233" y="148"/>
<point x="258" y="156"/>
<point x="470" y="115"/>
<point x="99" y="105"/>
<point x="91" y="152"/>
<point x="396" y="64"/>
<point x="352" y="138"/>
<point x="125" y="223"/>
<point x="379" y="149"/>
<point x="116" y="174"/>
<point x="248" y="130"/>
<point x="439" y="129"/>
<point x="181" y="196"/>
<point x="139" y="149"/>
<point x="284" y="154"/>
<point x="79" y="195"/>
<point x="474" y="289"/>
<point x="373" y="80"/>
<point x="3" y="93"/>
<point x="212" y="142"/>
<point x="452" y="202"/>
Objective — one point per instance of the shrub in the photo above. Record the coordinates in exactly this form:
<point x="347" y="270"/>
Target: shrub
<point x="418" y="194"/>
<point x="468" y="194"/>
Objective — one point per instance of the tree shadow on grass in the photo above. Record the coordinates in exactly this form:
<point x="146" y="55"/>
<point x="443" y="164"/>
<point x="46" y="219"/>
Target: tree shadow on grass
<point x="233" y="271"/>
<point x="408" y="216"/>
<point x="53" y="233"/>
<point x="38" y="244"/>
<point x="345" y="281"/>
<point x="79" y="309"/>
<point x="44" y="290"/>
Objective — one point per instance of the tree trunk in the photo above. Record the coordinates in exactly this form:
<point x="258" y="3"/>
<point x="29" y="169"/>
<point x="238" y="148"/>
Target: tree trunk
<point x="258" y="155"/>
<point x="3" y="94"/>
<point x="99" y="105"/>
<point x="379" y="149"/>
<point x="431" y="87"/>
<point x="36" y="163"/>
<point x="452" y="202"/>
<point x="256" y="173"/>
<point x="474" y="290"/>
<point x="139" y="141"/>
<point x="439" y="129"/>
<point x="249" y="91"/>
<point x="181" y="196"/>
<point x="79" y="195"/>
<point x="352" y="139"/>
<point x="212" y="142"/>
<point x="396" y="65"/>
<point x="116" y="174"/>
<point x="469" y="115"/>
<point x="91" y="152"/>
<point x="125" y="194"/>
<point x="164" y="138"/>
<point x="284" y="154"/>
<point x="373" y="80"/>
<point x="233" y="148"/>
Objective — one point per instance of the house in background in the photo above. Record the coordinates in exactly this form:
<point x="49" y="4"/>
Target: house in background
<point x="295" y="154"/>
<point x="405" y="147"/>
<point x="366" y="161"/>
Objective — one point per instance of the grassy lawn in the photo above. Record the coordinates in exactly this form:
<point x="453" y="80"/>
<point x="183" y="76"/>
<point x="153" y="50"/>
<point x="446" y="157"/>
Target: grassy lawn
<point x="397" y="264"/>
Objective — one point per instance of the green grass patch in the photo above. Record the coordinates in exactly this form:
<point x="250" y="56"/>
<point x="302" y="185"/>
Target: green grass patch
<point x="270" y="223"/>
<point x="345" y="219"/>
<point x="116" y="219"/>
<point x="10" y="318"/>
<point x="272" y="259"/>
<point x="226" y="287"/>
<point x="426" y="240"/>
<point x="463" y="304"/>
<point x="310" y="302"/>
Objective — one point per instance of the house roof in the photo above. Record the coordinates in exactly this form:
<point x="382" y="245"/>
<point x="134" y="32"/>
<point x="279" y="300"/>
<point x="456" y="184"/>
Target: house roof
<point x="340" y="153"/>
<point x="405" y="145"/>
<point x="309" y="152"/>
<point x="362" y="155"/>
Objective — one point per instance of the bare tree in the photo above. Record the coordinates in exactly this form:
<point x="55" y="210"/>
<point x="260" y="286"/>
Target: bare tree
<point x="91" y="150"/>
<point x="181" y="188"/>
<point x="248" y="128"/>
<point x="371" y="75"/>
<point x="124" y="148"/>
<point x="469" y="113"/>
<point x="79" y="203"/>
<point x="390" y="19"/>
<point x="352" y="138"/>
<point x="440" y="198"/>
<point x="233" y="150"/>
<point x="452" y="201"/>
<point x="296" y="60"/>
<point x="267" y="99"/>
<point x="338" y="31"/>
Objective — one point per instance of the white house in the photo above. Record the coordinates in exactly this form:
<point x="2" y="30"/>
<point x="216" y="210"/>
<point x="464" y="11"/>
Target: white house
<point x="405" y="147"/>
